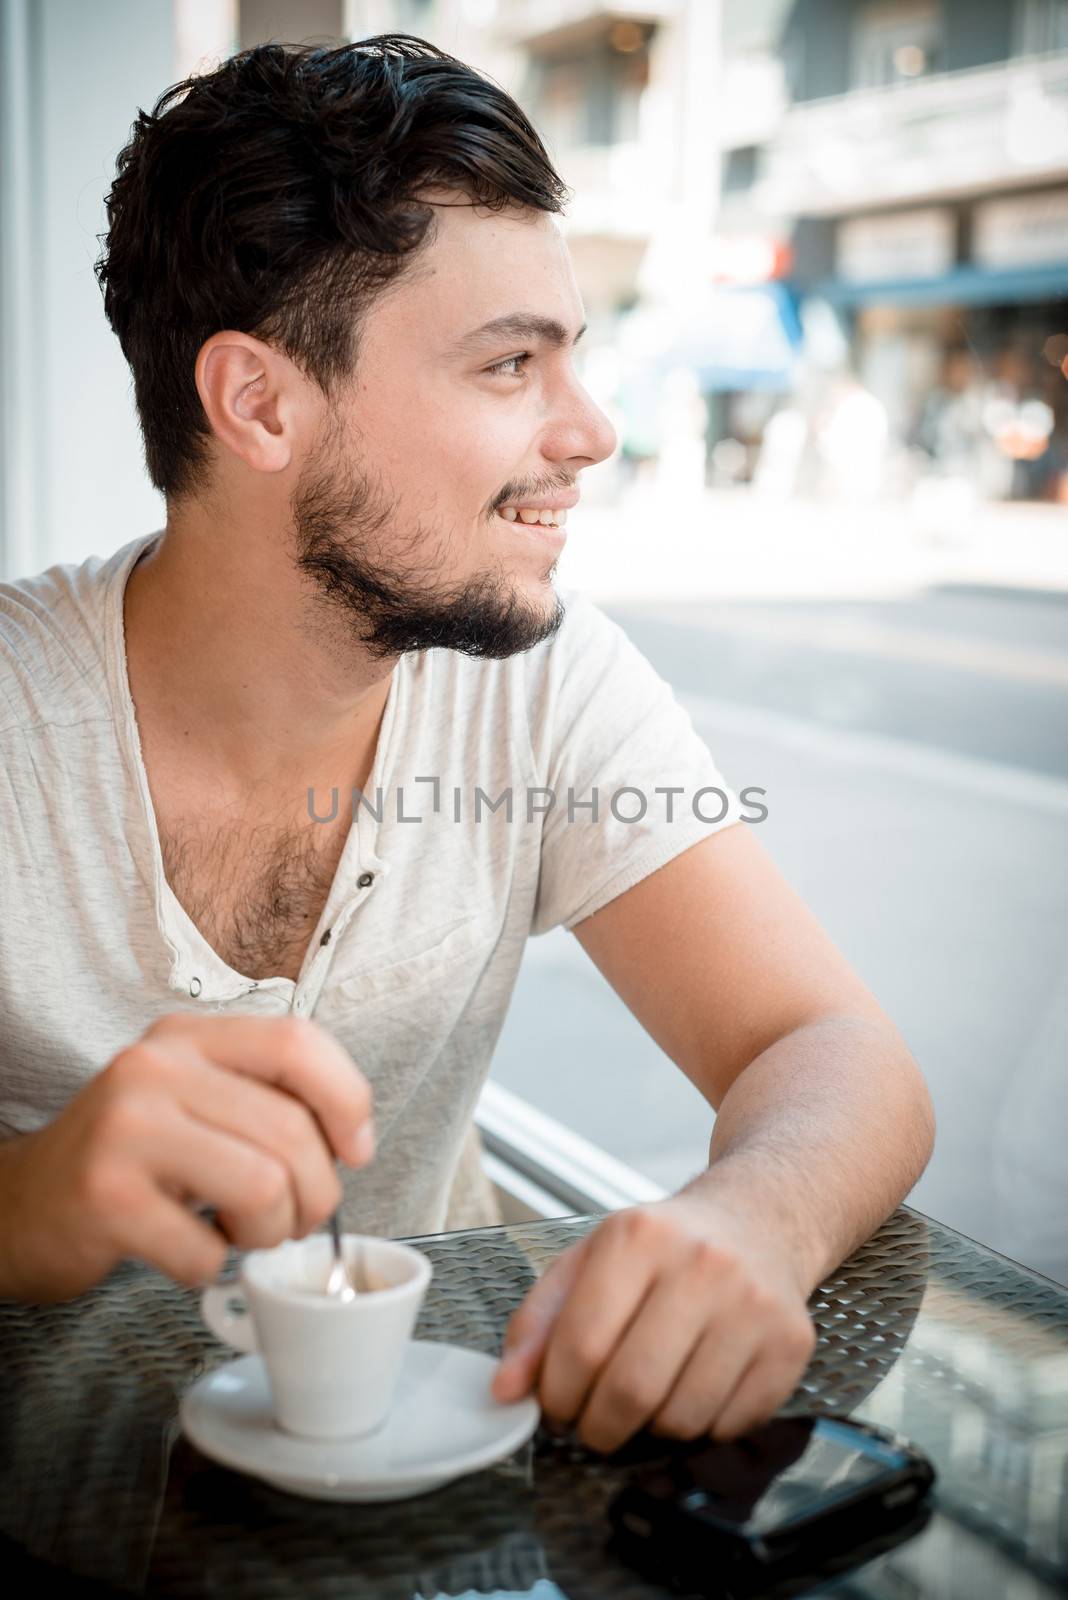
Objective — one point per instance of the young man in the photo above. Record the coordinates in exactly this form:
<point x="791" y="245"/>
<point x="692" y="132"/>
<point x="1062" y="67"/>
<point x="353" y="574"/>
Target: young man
<point x="349" y="312"/>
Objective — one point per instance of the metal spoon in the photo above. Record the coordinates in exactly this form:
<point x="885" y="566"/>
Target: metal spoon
<point x="339" y="1284"/>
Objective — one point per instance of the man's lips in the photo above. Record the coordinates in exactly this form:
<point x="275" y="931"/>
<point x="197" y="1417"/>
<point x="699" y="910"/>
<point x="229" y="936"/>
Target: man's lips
<point x="557" y="500"/>
<point x="547" y="533"/>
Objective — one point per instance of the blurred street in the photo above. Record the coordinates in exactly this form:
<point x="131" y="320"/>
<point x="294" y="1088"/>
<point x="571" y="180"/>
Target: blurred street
<point x="905" y="705"/>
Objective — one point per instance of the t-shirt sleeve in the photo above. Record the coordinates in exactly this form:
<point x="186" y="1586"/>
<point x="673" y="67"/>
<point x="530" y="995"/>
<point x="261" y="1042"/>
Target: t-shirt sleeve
<point x="606" y="729"/>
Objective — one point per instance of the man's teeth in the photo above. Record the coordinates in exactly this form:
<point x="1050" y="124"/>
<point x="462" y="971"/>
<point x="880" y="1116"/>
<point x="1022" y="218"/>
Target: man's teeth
<point x="549" y="519"/>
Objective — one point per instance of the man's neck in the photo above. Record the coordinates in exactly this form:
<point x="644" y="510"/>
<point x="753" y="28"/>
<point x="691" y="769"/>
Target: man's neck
<point x="228" y="670"/>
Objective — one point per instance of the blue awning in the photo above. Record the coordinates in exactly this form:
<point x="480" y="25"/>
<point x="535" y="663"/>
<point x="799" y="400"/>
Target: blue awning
<point x="742" y="338"/>
<point x="964" y="286"/>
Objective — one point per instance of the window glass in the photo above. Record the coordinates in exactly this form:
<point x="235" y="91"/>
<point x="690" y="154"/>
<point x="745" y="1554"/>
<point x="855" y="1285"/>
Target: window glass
<point x="836" y="524"/>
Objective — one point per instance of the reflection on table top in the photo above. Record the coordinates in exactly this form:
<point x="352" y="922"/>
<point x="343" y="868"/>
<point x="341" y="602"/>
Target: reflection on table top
<point x="921" y="1330"/>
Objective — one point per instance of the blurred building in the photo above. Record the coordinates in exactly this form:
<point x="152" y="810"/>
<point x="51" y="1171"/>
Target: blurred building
<point x="819" y="241"/>
<point x="624" y="97"/>
<point x="900" y="167"/>
<point x="830" y="235"/>
<point x="614" y="91"/>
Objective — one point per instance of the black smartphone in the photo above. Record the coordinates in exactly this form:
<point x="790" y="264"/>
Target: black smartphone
<point x="800" y="1498"/>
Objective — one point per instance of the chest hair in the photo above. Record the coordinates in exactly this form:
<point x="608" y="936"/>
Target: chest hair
<point x="255" y="893"/>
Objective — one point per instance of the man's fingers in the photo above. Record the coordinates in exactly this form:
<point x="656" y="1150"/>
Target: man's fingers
<point x="251" y="1190"/>
<point x="718" y="1362"/>
<point x="272" y="1121"/>
<point x="168" y="1236"/>
<point x="294" y="1054"/>
<point x="617" y="1271"/>
<point x="768" y="1381"/>
<point x="530" y="1327"/>
<point x="643" y="1370"/>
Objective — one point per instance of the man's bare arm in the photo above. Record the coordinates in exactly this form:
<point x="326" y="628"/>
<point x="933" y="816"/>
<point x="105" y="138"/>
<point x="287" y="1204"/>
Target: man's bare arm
<point x="823" y="1118"/>
<point x="820" y="1138"/>
<point x="689" y="1316"/>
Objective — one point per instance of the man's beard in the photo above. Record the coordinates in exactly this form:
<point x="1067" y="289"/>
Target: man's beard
<point x="336" y="523"/>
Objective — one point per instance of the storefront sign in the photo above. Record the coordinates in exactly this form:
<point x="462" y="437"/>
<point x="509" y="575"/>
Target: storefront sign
<point x="910" y="244"/>
<point x="1028" y="230"/>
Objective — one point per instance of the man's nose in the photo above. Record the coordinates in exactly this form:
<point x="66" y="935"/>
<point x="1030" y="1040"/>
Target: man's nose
<point x="588" y="430"/>
<point x="606" y="435"/>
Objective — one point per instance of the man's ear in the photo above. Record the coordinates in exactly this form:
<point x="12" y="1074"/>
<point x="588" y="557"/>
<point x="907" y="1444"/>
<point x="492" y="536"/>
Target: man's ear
<point x="248" y="394"/>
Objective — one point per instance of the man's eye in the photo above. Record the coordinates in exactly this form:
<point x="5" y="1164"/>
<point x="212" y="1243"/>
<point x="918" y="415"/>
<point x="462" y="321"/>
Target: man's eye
<point x="510" y="367"/>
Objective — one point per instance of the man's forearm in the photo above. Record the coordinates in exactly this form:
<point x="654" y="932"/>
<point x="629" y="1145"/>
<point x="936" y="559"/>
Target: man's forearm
<point x="818" y="1140"/>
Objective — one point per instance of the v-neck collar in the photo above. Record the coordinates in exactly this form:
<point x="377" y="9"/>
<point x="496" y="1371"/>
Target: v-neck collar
<point x="196" y="967"/>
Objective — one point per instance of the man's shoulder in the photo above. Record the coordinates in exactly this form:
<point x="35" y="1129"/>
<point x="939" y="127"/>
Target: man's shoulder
<point x="52" y="642"/>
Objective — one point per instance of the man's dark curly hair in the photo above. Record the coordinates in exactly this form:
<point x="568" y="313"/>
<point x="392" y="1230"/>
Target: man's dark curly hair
<point x="276" y="195"/>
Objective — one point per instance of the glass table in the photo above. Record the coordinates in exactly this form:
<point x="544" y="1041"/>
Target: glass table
<point x="921" y="1330"/>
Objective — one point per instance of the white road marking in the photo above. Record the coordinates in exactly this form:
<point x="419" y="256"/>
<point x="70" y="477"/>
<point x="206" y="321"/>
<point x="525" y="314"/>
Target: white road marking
<point x="859" y="635"/>
<point x="902" y="757"/>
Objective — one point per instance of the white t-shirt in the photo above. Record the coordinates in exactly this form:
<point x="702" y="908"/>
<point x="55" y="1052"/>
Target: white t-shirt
<point x="429" y="910"/>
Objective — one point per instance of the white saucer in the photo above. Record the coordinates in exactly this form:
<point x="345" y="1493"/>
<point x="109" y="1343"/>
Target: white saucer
<point x="444" y="1423"/>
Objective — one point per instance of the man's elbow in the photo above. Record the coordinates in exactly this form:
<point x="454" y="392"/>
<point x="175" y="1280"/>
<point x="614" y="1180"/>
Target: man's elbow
<point x="915" y="1111"/>
<point x="925" y="1122"/>
<point x="910" y="1104"/>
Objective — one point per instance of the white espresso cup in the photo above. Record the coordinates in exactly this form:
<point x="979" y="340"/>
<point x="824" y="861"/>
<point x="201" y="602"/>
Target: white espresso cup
<point x="333" y="1365"/>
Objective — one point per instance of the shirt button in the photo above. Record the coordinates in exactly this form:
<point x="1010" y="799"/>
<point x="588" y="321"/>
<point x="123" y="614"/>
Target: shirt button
<point x="299" y="1003"/>
<point x="326" y="936"/>
<point x="195" y="987"/>
<point x="365" y="880"/>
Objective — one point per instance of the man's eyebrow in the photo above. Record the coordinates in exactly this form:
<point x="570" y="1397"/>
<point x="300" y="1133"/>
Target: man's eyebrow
<point x="517" y="325"/>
